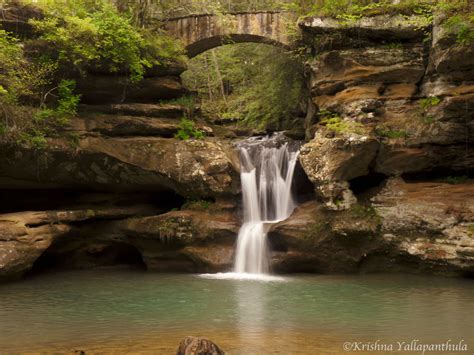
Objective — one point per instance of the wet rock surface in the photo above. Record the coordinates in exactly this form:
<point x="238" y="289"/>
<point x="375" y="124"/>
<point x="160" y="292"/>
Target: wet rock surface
<point x="198" y="346"/>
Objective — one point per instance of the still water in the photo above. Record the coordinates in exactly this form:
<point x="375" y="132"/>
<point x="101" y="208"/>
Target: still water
<point x="116" y="311"/>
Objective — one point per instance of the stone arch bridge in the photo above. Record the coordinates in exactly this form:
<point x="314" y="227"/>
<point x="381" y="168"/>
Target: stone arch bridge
<point x="200" y="33"/>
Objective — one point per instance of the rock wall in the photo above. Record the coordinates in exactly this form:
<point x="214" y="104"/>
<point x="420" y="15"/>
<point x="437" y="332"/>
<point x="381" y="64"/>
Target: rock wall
<point x="388" y="151"/>
<point x="389" y="103"/>
<point x="115" y="187"/>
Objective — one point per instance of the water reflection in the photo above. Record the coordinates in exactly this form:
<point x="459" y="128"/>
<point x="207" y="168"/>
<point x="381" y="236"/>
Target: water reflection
<point x="257" y="319"/>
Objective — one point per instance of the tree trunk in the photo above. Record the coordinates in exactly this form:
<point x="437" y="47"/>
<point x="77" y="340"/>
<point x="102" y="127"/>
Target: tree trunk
<point x="209" y="84"/>
<point x="219" y="75"/>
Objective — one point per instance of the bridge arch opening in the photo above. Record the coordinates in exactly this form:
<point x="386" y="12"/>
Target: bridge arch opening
<point x="253" y="84"/>
<point x="206" y="44"/>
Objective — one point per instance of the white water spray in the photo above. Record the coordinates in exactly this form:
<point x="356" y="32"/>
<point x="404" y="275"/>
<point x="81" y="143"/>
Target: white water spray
<point x="267" y="169"/>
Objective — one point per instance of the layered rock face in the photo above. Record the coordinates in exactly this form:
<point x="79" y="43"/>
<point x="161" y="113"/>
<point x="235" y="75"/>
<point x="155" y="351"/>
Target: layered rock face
<point x="408" y="227"/>
<point x="389" y="104"/>
<point x="391" y="151"/>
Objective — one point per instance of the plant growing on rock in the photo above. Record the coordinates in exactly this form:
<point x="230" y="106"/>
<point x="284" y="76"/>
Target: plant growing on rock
<point x="187" y="130"/>
<point x="429" y="102"/>
<point x="334" y="122"/>
<point x="198" y="205"/>
<point x="391" y="133"/>
<point x="455" y="180"/>
<point x="425" y="105"/>
<point x="463" y="27"/>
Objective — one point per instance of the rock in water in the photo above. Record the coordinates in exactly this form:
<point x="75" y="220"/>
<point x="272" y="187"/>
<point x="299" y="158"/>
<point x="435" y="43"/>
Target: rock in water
<point x="198" y="346"/>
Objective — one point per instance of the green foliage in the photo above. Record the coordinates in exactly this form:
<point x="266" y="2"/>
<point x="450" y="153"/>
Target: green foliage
<point x="425" y="105"/>
<point x="187" y="130"/>
<point x="351" y="10"/>
<point x="3" y="129"/>
<point x="470" y="230"/>
<point x="361" y="211"/>
<point x="463" y="26"/>
<point x="100" y="37"/>
<point x="455" y="180"/>
<point x="334" y="122"/>
<point x="429" y="102"/>
<point x="259" y="86"/>
<point x="391" y="133"/>
<point x="198" y="205"/>
<point x="34" y="138"/>
<point x="187" y="102"/>
<point x="65" y="109"/>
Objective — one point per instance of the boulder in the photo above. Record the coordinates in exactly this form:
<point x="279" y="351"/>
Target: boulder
<point x="187" y="240"/>
<point x="199" y="239"/>
<point x="336" y="70"/>
<point x="198" y="346"/>
<point x="330" y="162"/>
<point x="335" y="33"/>
<point x="395" y="159"/>
<point x="415" y="227"/>
<point x="429" y="226"/>
<point x="313" y="239"/>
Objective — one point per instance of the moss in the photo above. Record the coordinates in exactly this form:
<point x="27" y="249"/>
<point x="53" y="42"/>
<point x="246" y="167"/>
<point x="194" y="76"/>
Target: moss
<point x="73" y="139"/>
<point x="455" y="180"/>
<point x="315" y="229"/>
<point x="334" y="122"/>
<point x="361" y="211"/>
<point x="429" y="102"/>
<point x="197" y="205"/>
<point x="368" y="213"/>
<point x="391" y="133"/>
<point x="393" y="45"/>
<point x="470" y="230"/>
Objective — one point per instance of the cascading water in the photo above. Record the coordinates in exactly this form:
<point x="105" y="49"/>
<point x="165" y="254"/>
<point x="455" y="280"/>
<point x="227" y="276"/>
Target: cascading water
<point x="267" y="169"/>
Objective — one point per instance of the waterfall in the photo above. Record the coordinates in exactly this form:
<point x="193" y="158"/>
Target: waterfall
<point x="267" y="169"/>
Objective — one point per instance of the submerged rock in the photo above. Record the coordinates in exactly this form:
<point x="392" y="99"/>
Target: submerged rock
<point x="198" y="346"/>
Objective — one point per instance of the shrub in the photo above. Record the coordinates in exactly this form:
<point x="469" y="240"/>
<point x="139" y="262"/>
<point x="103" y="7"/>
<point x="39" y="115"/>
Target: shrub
<point x="99" y="37"/>
<point x="187" y="130"/>
<point x="66" y="105"/>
